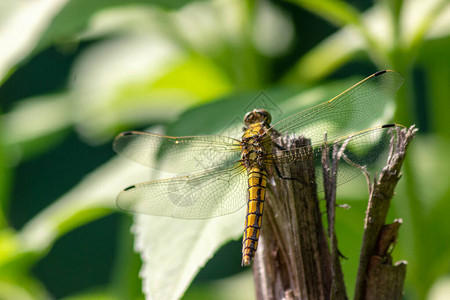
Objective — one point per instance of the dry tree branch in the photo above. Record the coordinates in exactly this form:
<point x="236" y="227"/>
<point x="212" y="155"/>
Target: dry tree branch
<point x="293" y="261"/>
<point x="294" y="258"/>
<point x="329" y="171"/>
<point x="377" y="278"/>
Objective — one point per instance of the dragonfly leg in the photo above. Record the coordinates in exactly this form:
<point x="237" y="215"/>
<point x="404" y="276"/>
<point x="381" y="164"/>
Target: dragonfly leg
<point x="281" y="176"/>
<point x="279" y="147"/>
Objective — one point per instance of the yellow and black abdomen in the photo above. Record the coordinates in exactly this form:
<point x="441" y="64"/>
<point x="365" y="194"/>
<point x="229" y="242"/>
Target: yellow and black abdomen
<point x="257" y="182"/>
<point x="255" y="146"/>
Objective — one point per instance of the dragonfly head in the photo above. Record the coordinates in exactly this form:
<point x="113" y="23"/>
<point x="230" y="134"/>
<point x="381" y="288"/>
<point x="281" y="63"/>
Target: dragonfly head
<point x="257" y="116"/>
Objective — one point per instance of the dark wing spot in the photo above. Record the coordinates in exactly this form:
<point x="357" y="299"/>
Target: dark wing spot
<point x="379" y="73"/>
<point x="129" y="188"/>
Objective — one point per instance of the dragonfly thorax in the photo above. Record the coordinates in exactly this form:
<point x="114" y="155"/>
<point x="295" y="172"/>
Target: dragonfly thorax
<point x="254" y="142"/>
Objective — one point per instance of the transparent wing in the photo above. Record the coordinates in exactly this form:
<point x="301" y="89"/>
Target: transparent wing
<point x="368" y="148"/>
<point x="211" y="193"/>
<point x="177" y="154"/>
<point x="352" y="110"/>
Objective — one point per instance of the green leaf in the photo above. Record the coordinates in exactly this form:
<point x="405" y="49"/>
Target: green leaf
<point x="92" y="198"/>
<point x="425" y="225"/>
<point x="174" y="250"/>
<point x="425" y="20"/>
<point x="35" y="124"/>
<point x="161" y="80"/>
<point x="440" y="289"/>
<point x="96" y="294"/>
<point x="22" y="287"/>
<point x="74" y="17"/>
<point x="349" y="229"/>
<point x="374" y="38"/>
<point x="125" y="283"/>
<point x="21" y="26"/>
<point x="236" y="287"/>
<point x="335" y="11"/>
<point x="435" y="60"/>
<point x="30" y="27"/>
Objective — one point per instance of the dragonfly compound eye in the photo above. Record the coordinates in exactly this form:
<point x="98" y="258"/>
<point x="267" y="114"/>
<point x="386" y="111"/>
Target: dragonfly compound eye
<point x="249" y="118"/>
<point x="265" y="116"/>
<point x="257" y="116"/>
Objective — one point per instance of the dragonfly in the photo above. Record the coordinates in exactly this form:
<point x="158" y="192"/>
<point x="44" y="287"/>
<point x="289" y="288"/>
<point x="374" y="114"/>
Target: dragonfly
<point x="220" y="174"/>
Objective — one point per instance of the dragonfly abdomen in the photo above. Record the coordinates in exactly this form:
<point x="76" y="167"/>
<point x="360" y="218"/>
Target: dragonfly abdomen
<point x="257" y="181"/>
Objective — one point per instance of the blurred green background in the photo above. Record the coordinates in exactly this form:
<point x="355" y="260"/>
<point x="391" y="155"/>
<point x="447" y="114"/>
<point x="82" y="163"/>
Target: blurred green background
<point x="75" y="73"/>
